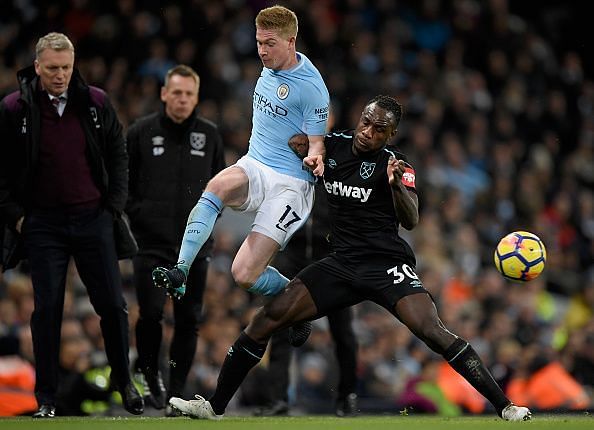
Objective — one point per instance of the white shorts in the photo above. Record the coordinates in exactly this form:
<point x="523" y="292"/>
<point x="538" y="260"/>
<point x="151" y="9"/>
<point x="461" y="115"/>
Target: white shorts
<point x="282" y="203"/>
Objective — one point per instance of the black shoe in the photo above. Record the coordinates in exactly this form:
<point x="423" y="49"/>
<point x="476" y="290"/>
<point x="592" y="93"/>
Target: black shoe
<point x="299" y="333"/>
<point x="347" y="407"/>
<point x="132" y="399"/>
<point x="277" y="408"/>
<point x="172" y="280"/>
<point x="154" y="388"/>
<point x="45" y="411"/>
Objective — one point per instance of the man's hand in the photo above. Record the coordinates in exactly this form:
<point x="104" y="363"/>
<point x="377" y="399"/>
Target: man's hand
<point x="300" y="145"/>
<point x="315" y="163"/>
<point x="395" y="170"/>
<point x="19" y="224"/>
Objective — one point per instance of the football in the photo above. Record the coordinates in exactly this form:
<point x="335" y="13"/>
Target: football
<point x="520" y="256"/>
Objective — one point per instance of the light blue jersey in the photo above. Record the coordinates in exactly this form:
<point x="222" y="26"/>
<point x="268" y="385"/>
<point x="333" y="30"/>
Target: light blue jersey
<point x="287" y="102"/>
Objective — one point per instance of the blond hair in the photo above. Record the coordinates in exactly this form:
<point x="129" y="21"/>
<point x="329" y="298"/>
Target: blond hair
<point x="182" y="70"/>
<point x="55" y="41"/>
<point x="280" y="19"/>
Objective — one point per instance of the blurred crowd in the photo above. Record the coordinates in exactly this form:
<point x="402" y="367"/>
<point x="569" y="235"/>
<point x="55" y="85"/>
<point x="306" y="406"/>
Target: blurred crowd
<point x="498" y="123"/>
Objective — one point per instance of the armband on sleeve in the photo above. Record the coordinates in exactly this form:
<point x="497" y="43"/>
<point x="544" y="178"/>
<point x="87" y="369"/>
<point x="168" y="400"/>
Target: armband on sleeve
<point x="408" y="177"/>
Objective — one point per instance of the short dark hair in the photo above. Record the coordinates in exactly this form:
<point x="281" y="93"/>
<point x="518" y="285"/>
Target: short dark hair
<point x="390" y="104"/>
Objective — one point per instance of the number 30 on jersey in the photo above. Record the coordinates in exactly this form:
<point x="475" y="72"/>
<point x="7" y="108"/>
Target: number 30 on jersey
<point x="401" y="272"/>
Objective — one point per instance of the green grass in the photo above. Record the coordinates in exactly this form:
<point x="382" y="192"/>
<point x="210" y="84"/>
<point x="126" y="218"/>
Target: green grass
<point x="540" y="421"/>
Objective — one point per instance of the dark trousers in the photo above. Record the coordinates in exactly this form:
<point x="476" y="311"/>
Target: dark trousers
<point x="51" y="238"/>
<point x="187" y="314"/>
<point x="346" y="355"/>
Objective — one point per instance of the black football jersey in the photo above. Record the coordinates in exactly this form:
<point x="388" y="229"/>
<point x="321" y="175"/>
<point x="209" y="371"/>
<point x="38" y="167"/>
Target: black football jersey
<point x="360" y="200"/>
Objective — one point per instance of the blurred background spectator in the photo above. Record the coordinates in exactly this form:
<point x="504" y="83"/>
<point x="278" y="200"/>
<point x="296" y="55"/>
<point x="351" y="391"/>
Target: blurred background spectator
<point x="499" y="124"/>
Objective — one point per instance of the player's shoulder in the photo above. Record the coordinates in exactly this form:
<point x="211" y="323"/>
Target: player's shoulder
<point x="339" y="137"/>
<point x="338" y="144"/>
<point x="306" y="66"/>
<point x="307" y="73"/>
<point x="394" y="151"/>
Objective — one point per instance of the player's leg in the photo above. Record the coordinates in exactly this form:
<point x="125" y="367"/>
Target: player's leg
<point x="276" y="383"/>
<point x="277" y="380"/>
<point x="228" y="188"/>
<point x="283" y="207"/>
<point x="251" y="270"/>
<point x="419" y="314"/>
<point x="294" y="304"/>
<point x="319" y="288"/>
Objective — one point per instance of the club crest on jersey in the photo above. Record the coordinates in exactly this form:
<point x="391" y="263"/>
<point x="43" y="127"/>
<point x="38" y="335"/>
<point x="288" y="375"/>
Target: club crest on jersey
<point x="282" y="92"/>
<point x="366" y="169"/>
<point x="197" y="143"/>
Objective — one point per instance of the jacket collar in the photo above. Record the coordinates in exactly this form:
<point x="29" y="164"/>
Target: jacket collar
<point x="28" y="81"/>
<point x="168" y="122"/>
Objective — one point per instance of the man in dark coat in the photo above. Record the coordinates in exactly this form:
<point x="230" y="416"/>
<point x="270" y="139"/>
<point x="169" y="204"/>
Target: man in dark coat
<point x="63" y="182"/>
<point x="173" y="154"/>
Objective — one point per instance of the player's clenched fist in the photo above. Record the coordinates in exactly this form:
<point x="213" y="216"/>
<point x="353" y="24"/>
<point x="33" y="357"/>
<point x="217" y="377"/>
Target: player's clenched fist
<point x="395" y="170"/>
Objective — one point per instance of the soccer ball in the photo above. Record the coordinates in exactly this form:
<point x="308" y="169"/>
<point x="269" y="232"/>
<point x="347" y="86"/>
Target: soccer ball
<point x="520" y="256"/>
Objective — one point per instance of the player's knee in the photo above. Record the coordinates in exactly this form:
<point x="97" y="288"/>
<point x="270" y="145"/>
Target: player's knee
<point x="264" y="324"/>
<point x="242" y="276"/>
<point x="434" y="335"/>
<point x="216" y="186"/>
<point x="276" y="309"/>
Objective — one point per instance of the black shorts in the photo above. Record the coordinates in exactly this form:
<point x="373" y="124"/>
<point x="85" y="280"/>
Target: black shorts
<point x="336" y="283"/>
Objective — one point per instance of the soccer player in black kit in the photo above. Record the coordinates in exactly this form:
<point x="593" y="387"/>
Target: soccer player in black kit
<point x="371" y="193"/>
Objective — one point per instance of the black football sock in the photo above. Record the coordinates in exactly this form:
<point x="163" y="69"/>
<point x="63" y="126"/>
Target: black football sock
<point x="464" y="359"/>
<point x="241" y="357"/>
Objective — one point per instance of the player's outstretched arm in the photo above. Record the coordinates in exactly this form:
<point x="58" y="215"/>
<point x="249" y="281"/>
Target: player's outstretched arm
<point x="315" y="155"/>
<point x="406" y="203"/>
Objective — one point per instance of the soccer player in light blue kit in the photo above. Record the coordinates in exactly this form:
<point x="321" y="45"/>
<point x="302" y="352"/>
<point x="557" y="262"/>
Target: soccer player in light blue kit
<point x="290" y="98"/>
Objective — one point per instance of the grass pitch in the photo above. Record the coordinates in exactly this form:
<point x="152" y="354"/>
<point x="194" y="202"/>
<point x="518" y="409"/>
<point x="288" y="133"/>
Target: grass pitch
<point x="539" y="422"/>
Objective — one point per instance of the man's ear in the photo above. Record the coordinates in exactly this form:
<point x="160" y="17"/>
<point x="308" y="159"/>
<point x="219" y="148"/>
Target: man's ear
<point x="292" y="41"/>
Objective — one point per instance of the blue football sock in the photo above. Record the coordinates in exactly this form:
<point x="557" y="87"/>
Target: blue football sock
<point x="270" y="283"/>
<point x="200" y="224"/>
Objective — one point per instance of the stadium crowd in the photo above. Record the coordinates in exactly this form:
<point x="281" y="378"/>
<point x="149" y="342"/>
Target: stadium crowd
<point x="498" y="123"/>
